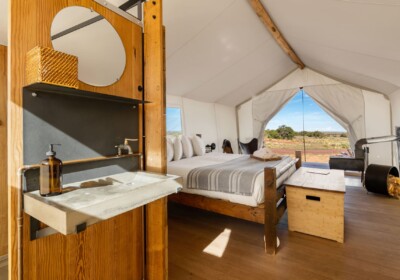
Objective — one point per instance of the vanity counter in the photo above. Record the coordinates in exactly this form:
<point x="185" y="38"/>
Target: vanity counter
<point x="99" y="199"/>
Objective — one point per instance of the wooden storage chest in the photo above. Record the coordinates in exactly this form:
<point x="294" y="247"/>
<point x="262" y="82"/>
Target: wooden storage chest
<point x="315" y="200"/>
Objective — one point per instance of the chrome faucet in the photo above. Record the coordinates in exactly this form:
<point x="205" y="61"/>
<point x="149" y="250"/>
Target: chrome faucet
<point x="125" y="146"/>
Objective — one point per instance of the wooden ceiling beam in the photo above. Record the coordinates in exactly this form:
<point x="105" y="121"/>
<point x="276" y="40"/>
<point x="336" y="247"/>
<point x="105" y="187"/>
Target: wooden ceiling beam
<point x="273" y="29"/>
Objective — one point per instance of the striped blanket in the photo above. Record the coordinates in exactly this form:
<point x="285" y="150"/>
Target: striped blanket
<point x="235" y="176"/>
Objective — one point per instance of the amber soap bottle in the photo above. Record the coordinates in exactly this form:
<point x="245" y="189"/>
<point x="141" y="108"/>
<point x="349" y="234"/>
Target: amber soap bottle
<point x="51" y="174"/>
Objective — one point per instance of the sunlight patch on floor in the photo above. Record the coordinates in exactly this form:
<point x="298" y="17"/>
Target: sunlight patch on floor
<point x="218" y="245"/>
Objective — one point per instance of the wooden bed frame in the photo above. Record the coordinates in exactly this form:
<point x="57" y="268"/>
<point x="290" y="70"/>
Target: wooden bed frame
<point x="268" y="213"/>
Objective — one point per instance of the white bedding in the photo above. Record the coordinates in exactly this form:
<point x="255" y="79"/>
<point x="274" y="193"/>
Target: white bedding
<point x="182" y="168"/>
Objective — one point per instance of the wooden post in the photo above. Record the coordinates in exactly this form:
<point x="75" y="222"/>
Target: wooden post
<point x="262" y="13"/>
<point x="21" y="40"/>
<point x="298" y="156"/>
<point x="270" y="210"/>
<point x="3" y="151"/>
<point x="155" y="130"/>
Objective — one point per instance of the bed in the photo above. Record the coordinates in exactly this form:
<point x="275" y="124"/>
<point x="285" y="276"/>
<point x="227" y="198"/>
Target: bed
<point x="237" y="186"/>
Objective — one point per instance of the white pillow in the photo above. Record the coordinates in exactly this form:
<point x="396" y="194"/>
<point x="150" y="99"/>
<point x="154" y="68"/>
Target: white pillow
<point x="170" y="139"/>
<point x="198" y="146"/>
<point x="178" y="151"/>
<point x="170" y="150"/>
<point x="187" y="147"/>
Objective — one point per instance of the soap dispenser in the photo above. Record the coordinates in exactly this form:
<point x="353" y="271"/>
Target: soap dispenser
<point x="51" y="174"/>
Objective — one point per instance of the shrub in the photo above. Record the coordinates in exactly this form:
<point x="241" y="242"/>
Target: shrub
<point x="317" y="134"/>
<point x="286" y="132"/>
<point x="272" y="134"/>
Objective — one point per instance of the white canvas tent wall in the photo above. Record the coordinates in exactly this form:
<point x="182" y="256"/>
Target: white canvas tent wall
<point x="348" y="105"/>
<point x="225" y="55"/>
<point x="219" y="52"/>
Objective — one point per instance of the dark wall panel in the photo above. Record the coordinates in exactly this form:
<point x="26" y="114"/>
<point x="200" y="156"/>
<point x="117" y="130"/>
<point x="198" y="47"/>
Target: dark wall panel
<point x="84" y="127"/>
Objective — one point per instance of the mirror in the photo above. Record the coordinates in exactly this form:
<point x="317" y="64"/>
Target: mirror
<point x="89" y="36"/>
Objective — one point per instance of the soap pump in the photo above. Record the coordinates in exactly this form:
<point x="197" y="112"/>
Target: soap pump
<point x="51" y="174"/>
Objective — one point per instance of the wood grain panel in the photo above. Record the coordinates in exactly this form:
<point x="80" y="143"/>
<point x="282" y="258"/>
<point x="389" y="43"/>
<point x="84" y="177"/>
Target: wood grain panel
<point x="23" y="37"/>
<point x="241" y="211"/>
<point x="155" y="122"/>
<point x="106" y="250"/>
<point x="130" y="34"/>
<point x="324" y="218"/>
<point x="3" y="150"/>
<point x="157" y="240"/>
<point x="155" y="127"/>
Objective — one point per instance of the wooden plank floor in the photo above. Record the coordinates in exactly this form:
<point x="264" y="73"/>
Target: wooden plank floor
<point x="371" y="249"/>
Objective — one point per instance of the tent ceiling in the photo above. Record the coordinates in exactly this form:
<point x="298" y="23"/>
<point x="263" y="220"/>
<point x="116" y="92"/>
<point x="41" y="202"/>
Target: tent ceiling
<point x="219" y="51"/>
<point x="356" y="41"/>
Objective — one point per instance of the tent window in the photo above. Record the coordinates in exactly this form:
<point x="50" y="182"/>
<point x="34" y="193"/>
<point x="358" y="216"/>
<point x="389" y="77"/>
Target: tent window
<point x="174" y="121"/>
<point x="302" y="119"/>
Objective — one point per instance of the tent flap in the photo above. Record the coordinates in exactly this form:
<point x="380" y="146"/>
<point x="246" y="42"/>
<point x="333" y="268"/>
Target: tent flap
<point x="342" y="102"/>
<point x="266" y="106"/>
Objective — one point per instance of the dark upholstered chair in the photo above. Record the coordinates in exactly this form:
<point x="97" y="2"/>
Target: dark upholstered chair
<point x="227" y="147"/>
<point x="249" y="148"/>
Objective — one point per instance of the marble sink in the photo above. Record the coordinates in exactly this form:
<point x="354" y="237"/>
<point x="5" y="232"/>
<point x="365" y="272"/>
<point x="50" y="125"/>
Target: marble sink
<point x="99" y="199"/>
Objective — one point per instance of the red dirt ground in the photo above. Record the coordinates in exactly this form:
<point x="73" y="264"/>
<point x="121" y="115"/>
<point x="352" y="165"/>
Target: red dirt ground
<point x="317" y="149"/>
<point x="312" y="155"/>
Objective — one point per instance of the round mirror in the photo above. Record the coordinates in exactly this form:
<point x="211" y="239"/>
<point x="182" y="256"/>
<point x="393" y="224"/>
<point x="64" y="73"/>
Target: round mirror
<point x="89" y="36"/>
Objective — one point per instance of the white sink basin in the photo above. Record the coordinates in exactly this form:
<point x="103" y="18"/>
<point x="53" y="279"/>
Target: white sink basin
<point x="105" y="198"/>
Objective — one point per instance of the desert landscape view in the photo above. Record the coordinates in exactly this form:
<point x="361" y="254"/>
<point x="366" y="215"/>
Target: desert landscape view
<point x="319" y="146"/>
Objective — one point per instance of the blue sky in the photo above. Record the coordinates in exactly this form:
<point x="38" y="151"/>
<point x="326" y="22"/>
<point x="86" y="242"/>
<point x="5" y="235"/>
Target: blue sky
<point x="174" y="119"/>
<point x="314" y="117"/>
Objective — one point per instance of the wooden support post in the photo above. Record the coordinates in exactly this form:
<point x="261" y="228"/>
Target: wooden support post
<point x="156" y="240"/>
<point x="155" y="127"/>
<point x="21" y="39"/>
<point x="298" y="156"/>
<point x="273" y="29"/>
<point x="3" y="151"/>
<point x="270" y="210"/>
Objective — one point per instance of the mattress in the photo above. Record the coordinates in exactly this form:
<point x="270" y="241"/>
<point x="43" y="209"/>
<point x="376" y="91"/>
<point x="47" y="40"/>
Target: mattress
<point x="184" y="166"/>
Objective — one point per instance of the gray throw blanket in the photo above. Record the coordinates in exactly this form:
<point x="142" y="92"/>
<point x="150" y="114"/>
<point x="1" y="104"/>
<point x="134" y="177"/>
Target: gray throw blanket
<point x="235" y="176"/>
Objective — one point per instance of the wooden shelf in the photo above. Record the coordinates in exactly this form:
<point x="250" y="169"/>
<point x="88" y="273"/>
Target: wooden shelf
<point x="99" y="199"/>
<point x="48" y="88"/>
